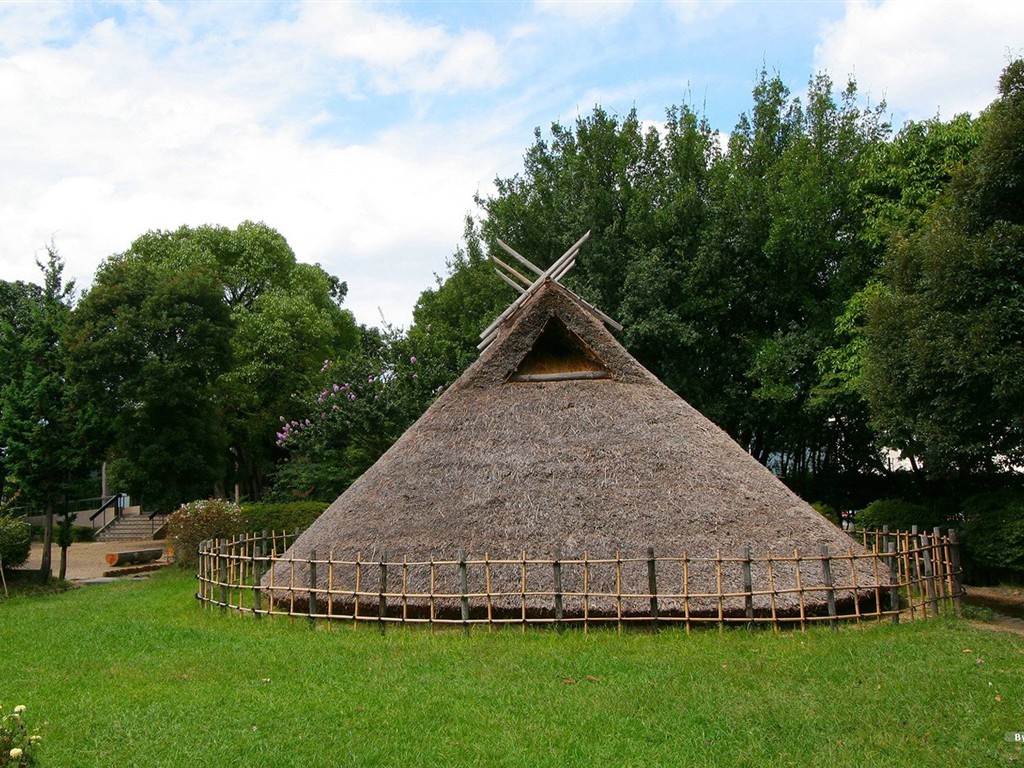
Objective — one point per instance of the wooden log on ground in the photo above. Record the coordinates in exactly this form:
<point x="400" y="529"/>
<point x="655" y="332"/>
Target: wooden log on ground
<point x="135" y="557"/>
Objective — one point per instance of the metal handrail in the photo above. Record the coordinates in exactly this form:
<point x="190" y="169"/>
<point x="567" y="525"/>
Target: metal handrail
<point x="114" y="500"/>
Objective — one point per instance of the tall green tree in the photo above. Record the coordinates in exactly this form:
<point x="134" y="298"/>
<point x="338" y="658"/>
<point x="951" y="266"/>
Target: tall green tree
<point x="944" y="369"/>
<point x="229" y="325"/>
<point x="41" y="430"/>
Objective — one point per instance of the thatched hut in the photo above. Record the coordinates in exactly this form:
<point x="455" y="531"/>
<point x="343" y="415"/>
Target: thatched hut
<point x="557" y="440"/>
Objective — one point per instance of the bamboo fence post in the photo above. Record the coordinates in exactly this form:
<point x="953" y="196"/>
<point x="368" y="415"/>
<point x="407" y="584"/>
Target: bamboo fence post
<point x="800" y="592"/>
<point x="487" y="586"/>
<point x="330" y="587"/>
<point x="955" y="573"/>
<point x="853" y="579"/>
<point x="312" y="587"/>
<point x="917" y="569"/>
<point x="257" y="575"/>
<point x="885" y="538"/>
<point x="940" y="562"/>
<point x="618" y="590"/>
<point x="771" y="587"/>
<point x="586" y="593"/>
<point x="686" y="590"/>
<point x="559" y="608"/>
<point x="357" y="585"/>
<point x="748" y="586"/>
<point x="830" y="593"/>
<point x="222" y="573"/>
<point x="908" y="571"/>
<point x="273" y="556"/>
<point x="382" y="595"/>
<point x="929" y="575"/>
<point x="894" y="581"/>
<point x="431" y="599"/>
<point x="652" y="583"/>
<point x="405" y="588"/>
<point x="718" y="589"/>
<point x="463" y="589"/>
<point x="522" y="591"/>
<point x="878" y="585"/>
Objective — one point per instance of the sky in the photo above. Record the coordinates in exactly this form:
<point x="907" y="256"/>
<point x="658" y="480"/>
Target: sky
<point x="362" y="131"/>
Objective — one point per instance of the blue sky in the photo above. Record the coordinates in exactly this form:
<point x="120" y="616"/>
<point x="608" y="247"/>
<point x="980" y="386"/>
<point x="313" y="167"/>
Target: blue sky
<point x="361" y="131"/>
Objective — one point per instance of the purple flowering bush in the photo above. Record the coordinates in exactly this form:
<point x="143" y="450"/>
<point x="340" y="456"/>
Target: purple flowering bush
<point x="358" y="408"/>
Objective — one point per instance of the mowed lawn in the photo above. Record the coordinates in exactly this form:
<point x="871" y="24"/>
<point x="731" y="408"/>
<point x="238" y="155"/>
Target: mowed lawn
<point x="138" y="674"/>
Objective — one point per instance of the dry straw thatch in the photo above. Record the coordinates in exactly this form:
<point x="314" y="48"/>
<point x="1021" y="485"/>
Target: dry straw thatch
<point x="556" y="439"/>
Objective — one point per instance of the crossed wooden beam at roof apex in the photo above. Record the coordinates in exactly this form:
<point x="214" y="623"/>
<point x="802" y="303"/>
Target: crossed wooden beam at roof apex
<point x="526" y="288"/>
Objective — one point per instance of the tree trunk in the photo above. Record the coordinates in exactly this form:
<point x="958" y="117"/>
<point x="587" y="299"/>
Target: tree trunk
<point x="45" y="568"/>
<point x="63" y="562"/>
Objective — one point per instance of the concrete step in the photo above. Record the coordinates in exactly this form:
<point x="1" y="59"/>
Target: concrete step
<point x="133" y="528"/>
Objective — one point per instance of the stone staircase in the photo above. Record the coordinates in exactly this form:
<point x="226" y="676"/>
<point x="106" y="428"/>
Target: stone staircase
<point x="134" y="527"/>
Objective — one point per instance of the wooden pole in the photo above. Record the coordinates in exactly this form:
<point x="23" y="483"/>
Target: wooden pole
<point x="830" y="593"/>
<point x="513" y="272"/>
<point x="559" y="262"/>
<point x="686" y="590"/>
<point x="954" y="570"/>
<point x="800" y="592"/>
<point x="652" y="583"/>
<point x="509" y="280"/>
<point x="928" y="573"/>
<point x="464" y="588"/>
<point x="894" y="582"/>
<point x="257" y="574"/>
<point x="222" y="573"/>
<point x="519" y="257"/>
<point x="559" y="608"/>
<point x="748" y="586"/>
<point x="312" y="586"/>
<point x="382" y="598"/>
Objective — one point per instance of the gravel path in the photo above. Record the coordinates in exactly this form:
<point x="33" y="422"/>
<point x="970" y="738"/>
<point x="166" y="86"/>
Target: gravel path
<point x="87" y="560"/>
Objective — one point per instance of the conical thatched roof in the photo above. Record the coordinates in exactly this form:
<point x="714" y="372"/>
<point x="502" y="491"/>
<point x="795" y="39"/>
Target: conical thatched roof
<point x="557" y="439"/>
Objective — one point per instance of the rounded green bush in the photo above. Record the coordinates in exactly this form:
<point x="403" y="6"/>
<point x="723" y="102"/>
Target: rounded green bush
<point x="899" y="515"/>
<point x="290" y="516"/>
<point x="993" y="531"/>
<point x="197" y="521"/>
<point x="15" y="541"/>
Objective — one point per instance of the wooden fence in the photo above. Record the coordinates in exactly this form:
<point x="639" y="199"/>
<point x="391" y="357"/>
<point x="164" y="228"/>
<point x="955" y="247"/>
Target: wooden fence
<point x="901" y="575"/>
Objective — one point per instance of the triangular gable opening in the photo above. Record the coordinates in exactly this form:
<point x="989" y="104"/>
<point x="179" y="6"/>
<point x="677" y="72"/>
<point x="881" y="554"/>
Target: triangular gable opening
<point x="559" y="354"/>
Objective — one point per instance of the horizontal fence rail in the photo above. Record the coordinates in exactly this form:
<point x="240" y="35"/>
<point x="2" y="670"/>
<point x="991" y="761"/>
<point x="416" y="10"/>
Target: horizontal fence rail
<point x="897" y="576"/>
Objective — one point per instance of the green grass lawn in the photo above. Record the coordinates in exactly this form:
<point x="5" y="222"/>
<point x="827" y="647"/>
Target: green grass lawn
<point x="138" y="674"/>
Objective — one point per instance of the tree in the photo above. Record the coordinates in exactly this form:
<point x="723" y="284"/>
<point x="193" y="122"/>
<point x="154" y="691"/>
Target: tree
<point x="41" y="430"/>
<point x="360" y="405"/>
<point x="149" y="342"/>
<point x="229" y="325"/>
<point x="944" y="369"/>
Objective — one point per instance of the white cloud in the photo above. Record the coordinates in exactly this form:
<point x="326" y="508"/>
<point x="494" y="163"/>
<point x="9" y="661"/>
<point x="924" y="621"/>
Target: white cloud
<point x="398" y="55"/>
<point x="924" y="57"/>
<point x="586" y="11"/>
<point x="150" y="122"/>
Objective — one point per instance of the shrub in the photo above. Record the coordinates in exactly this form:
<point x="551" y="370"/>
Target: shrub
<point x="290" y="516"/>
<point x="197" y="521"/>
<point x="827" y="511"/>
<point x="15" y="541"/>
<point x="993" y="532"/>
<point x="18" y="746"/>
<point x="899" y="515"/>
<point x="83" y="533"/>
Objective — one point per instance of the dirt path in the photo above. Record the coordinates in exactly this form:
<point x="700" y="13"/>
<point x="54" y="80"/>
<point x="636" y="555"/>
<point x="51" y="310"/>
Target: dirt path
<point x="87" y="560"/>
<point x="996" y="598"/>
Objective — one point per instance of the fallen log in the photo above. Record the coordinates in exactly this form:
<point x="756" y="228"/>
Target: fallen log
<point x="135" y="557"/>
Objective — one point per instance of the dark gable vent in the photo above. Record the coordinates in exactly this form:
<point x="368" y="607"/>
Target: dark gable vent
<point x="559" y="354"/>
